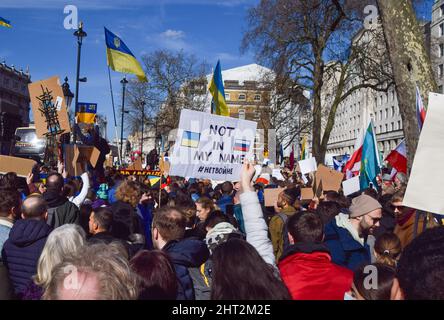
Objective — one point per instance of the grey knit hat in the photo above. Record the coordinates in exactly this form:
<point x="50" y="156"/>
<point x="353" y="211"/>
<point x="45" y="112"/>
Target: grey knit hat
<point x="362" y="205"/>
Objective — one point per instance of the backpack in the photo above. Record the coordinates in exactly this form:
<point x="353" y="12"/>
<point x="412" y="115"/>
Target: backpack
<point x="284" y="218"/>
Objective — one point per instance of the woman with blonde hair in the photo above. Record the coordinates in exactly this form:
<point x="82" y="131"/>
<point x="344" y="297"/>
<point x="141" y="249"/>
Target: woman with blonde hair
<point x="127" y="221"/>
<point x="62" y="242"/>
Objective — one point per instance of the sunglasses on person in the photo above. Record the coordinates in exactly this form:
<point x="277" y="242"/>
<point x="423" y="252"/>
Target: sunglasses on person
<point x="400" y="208"/>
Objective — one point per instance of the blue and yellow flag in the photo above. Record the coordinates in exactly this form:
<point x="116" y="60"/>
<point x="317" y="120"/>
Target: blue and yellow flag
<point x="120" y="58"/>
<point x="219" y="105"/>
<point x="86" y="112"/>
<point x="5" y="23"/>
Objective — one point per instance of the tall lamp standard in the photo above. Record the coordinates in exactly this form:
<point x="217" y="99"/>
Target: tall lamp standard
<point x="123" y="82"/>
<point x="80" y="34"/>
<point x="68" y="98"/>
<point x="142" y="103"/>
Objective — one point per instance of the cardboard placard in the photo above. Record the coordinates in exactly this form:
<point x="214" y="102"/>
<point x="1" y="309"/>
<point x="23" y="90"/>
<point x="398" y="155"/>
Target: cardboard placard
<point x="351" y="186"/>
<point x="277" y="174"/>
<point x="307" y="194"/>
<point x="78" y="156"/>
<point x="271" y="196"/>
<point x="307" y="165"/>
<point x="136" y="165"/>
<point x="424" y="185"/>
<point x="331" y="179"/>
<point x="51" y="86"/>
<point x="21" y="166"/>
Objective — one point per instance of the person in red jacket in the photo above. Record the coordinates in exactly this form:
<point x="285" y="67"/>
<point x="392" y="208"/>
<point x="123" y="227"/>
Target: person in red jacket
<point x="306" y="267"/>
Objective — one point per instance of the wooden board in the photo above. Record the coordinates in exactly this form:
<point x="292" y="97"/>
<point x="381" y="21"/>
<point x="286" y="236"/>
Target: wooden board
<point x="271" y="196"/>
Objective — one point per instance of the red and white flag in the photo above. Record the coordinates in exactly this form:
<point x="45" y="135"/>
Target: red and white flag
<point x="397" y="158"/>
<point x="353" y="166"/>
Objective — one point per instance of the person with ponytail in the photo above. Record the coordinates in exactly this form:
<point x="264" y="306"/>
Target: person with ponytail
<point x="388" y="249"/>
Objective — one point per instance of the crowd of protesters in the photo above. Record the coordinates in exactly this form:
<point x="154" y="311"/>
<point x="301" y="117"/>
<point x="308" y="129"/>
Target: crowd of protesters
<point x="118" y="237"/>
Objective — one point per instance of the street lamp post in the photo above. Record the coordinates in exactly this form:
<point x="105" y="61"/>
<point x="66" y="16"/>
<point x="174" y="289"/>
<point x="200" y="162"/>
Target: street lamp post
<point x="68" y="98"/>
<point x="142" y="103"/>
<point x="123" y="82"/>
<point x="80" y="34"/>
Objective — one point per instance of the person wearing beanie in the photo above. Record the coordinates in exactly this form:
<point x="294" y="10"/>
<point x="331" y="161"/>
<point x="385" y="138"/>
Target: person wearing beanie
<point x="284" y="209"/>
<point x="346" y="235"/>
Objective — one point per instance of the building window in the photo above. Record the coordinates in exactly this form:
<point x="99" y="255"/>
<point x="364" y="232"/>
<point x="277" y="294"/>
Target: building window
<point x="393" y="95"/>
<point x="393" y="126"/>
<point x="440" y="70"/>
<point x="386" y="127"/>
<point x="441" y="49"/>
<point x="359" y="106"/>
<point x="242" y="114"/>
<point x="257" y="97"/>
<point x="441" y="29"/>
<point x="242" y="96"/>
<point x="380" y="129"/>
<point x="393" y="111"/>
<point x="439" y="89"/>
<point x="441" y="10"/>
<point x="380" y="99"/>
<point x="399" y="125"/>
<point x="380" y="114"/>
<point x="386" y="113"/>
<point x="227" y="96"/>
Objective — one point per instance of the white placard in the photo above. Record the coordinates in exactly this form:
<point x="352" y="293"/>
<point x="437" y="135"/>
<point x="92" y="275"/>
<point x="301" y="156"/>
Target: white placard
<point x="425" y="182"/>
<point x="277" y="174"/>
<point x="308" y="165"/>
<point x="211" y="146"/>
<point x="351" y="185"/>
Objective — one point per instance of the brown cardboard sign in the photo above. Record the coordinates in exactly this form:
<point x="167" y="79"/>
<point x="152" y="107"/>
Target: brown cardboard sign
<point x="136" y="165"/>
<point x="331" y="179"/>
<point x="78" y="156"/>
<point x="48" y="95"/>
<point x="271" y="196"/>
<point x="20" y="166"/>
<point x="307" y="194"/>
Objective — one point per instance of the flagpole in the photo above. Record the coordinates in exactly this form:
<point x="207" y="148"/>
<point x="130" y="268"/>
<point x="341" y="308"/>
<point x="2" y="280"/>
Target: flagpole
<point x="114" y="114"/>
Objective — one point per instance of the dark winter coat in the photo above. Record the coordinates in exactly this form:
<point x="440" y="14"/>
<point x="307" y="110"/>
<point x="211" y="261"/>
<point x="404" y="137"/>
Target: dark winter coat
<point x="345" y="250"/>
<point x="125" y="221"/>
<point x="60" y="210"/>
<point x="22" y="250"/>
<point x="185" y="254"/>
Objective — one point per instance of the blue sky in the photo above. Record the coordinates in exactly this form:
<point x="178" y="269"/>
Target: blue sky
<point x="209" y="29"/>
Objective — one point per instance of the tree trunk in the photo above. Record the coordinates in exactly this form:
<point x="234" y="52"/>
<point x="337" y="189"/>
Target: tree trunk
<point x="317" y="151"/>
<point x="410" y="63"/>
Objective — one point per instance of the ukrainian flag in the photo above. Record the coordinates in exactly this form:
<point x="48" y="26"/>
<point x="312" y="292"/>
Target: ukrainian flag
<point x="86" y="112"/>
<point x="217" y="90"/>
<point x="190" y="139"/>
<point x="120" y="58"/>
<point x="5" y="23"/>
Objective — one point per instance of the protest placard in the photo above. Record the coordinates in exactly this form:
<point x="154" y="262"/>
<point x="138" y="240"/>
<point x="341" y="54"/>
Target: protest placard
<point x="331" y="179"/>
<point x="20" y="166"/>
<point x="307" y="165"/>
<point x="424" y="185"/>
<point x="307" y="194"/>
<point x="271" y="196"/>
<point x="78" y="156"/>
<point x="351" y="186"/>
<point x="277" y="174"/>
<point x="131" y="172"/>
<point x="211" y="146"/>
<point x="49" y="107"/>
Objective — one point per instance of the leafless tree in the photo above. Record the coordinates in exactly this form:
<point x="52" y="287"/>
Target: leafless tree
<point x="319" y="46"/>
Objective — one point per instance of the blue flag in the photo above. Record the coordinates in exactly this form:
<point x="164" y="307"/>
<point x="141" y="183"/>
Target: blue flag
<point x="370" y="167"/>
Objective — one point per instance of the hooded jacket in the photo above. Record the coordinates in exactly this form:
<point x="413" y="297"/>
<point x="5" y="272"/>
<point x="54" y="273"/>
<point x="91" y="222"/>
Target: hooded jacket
<point x="309" y="273"/>
<point x="186" y="253"/>
<point x="346" y="247"/>
<point x="60" y="210"/>
<point x="22" y="250"/>
<point x="277" y="227"/>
